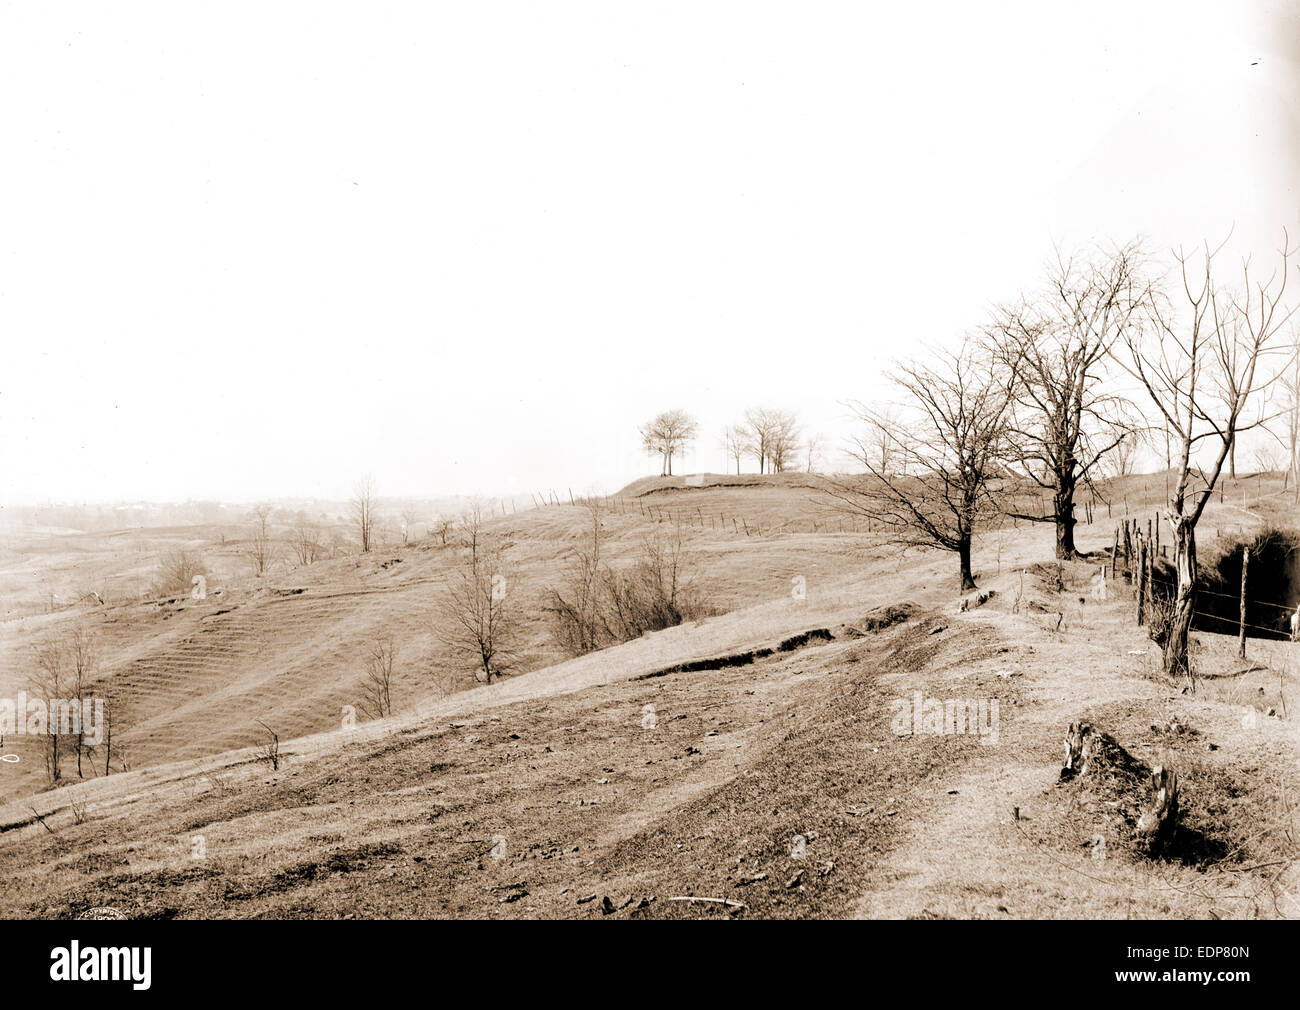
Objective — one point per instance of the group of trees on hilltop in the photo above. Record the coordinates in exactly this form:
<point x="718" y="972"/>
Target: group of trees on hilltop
<point x="1035" y="397"/>
<point x="772" y="437"/>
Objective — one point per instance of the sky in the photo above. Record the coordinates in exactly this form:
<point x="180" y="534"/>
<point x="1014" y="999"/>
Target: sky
<point x="255" y="250"/>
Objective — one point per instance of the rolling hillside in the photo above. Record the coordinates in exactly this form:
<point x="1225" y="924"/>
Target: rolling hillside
<point x="766" y="771"/>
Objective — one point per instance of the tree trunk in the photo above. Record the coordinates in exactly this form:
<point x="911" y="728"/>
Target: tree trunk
<point x="1176" y="634"/>
<point x="963" y="552"/>
<point x="1063" y="510"/>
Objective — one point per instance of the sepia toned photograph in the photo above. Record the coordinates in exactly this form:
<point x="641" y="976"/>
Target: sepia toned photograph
<point x="623" y="461"/>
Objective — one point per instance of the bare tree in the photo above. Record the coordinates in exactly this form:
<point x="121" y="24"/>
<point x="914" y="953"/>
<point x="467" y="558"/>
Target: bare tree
<point x="813" y="446"/>
<point x="306" y="543"/>
<point x="442" y="529"/>
<point x="1291" y="416"/>
<point x="362" y="510"/>
<point x="876" y="441"/>
<point x="759" y="422"/>
<point x="49" y="684"/>
<point x="576" y="608"/>
<point x="771" y="436"/>
<point x="735" y="443"/>
<point x="667" y="435"/>
<point x="1200" y="368"/>
<point x="261" y="547"/>
<point x="941" y="487"/>
<point x="377" y="691"/>
<point x="783" y="442"/>
<point x="1065" y="418"/>
<point x="1124" y="457"/>
<point x="478" y="619"/>
<point x="1268" y="457"/>
<point x="410" y="519"/>
<point x="80" y="651"/>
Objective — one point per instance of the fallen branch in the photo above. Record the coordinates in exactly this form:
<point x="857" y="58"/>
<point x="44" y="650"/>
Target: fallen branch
<point x="1236" y="673"/>
<point x="42" y="820"/>
<point x="720" y="901"/>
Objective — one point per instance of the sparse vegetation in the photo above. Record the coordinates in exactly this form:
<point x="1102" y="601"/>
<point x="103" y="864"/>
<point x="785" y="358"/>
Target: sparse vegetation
<point x="362" y="510"/>
<point x="1201" y="370"/>
<point x="261" y="546"/>
<point x="945" y="464"/>
<point x="306" y="543"/>
<point x="1066" y="418"/>
<point x="377" y="691"/>
<point x="270" y="749"/>
<point x="600" y="605"/>
<point x="478" y="618"/>
<point x="176" y="573"/>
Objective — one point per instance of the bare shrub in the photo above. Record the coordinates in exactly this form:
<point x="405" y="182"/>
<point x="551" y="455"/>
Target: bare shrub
<point x="600" y="605"/>
<point x="377" y="691"/>
<point x="176" y="572"/>
<point x="306" y="543"/>
<point x="270" y="750"/>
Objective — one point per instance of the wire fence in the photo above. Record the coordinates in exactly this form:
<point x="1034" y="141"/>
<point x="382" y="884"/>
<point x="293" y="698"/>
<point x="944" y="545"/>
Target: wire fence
<point x="717" y="520"/>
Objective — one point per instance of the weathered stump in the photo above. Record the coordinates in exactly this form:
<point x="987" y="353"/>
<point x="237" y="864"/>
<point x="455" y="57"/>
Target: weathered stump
<point x="1159" y="819"/>
<point x="1141" y="805"/>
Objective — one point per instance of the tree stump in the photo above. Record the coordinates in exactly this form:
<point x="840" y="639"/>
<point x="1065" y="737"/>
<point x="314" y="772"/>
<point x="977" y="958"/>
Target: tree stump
<point x="1139" y="804"/>
<point x="1159" y="819"/>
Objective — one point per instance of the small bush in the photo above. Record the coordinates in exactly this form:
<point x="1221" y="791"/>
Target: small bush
<point x="601" y="605"/>
<point x="176" y="573"/>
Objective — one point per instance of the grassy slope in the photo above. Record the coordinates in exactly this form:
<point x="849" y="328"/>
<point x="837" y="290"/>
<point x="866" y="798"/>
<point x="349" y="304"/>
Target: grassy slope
<point x="193" y="678"/>
<point x="400" y="818"/>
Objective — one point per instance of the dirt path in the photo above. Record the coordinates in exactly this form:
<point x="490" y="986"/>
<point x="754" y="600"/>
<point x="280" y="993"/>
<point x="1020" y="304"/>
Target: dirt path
<point x="973" y="857"/>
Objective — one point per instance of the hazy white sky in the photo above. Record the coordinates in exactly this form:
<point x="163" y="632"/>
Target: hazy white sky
<point x="257" y="249"/>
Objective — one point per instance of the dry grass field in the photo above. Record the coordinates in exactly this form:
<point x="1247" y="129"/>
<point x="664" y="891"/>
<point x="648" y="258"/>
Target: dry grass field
<point x="609" y="785"/>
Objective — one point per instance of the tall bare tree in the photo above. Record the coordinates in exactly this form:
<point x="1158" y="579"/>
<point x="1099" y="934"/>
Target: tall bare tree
<point x="813" y="446"/>
<point x="50" y="685"/>
<point x="940" y="488"/>
<point x="1066" y="418"/>
<point x="772" y="436"/>
<point x="362" y="510"/>
<point x="783" y="442"/>
<point x="735" y="443"/>
<point x="1291" y="415"/>
<point x="667" y="435"/>
<point x="478" y="619"/>
<point x="260" y="544"/>
<point x="1200" y="367"/>
<point x="81" y="653"/>
<point x="876" y="440"/>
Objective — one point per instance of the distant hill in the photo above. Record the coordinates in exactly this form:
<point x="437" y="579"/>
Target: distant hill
<point x="694" y="481"/>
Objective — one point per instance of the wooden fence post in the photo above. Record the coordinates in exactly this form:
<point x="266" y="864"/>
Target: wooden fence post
<point x="1241" y="631"/>
<point x="1142" y="582"/>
